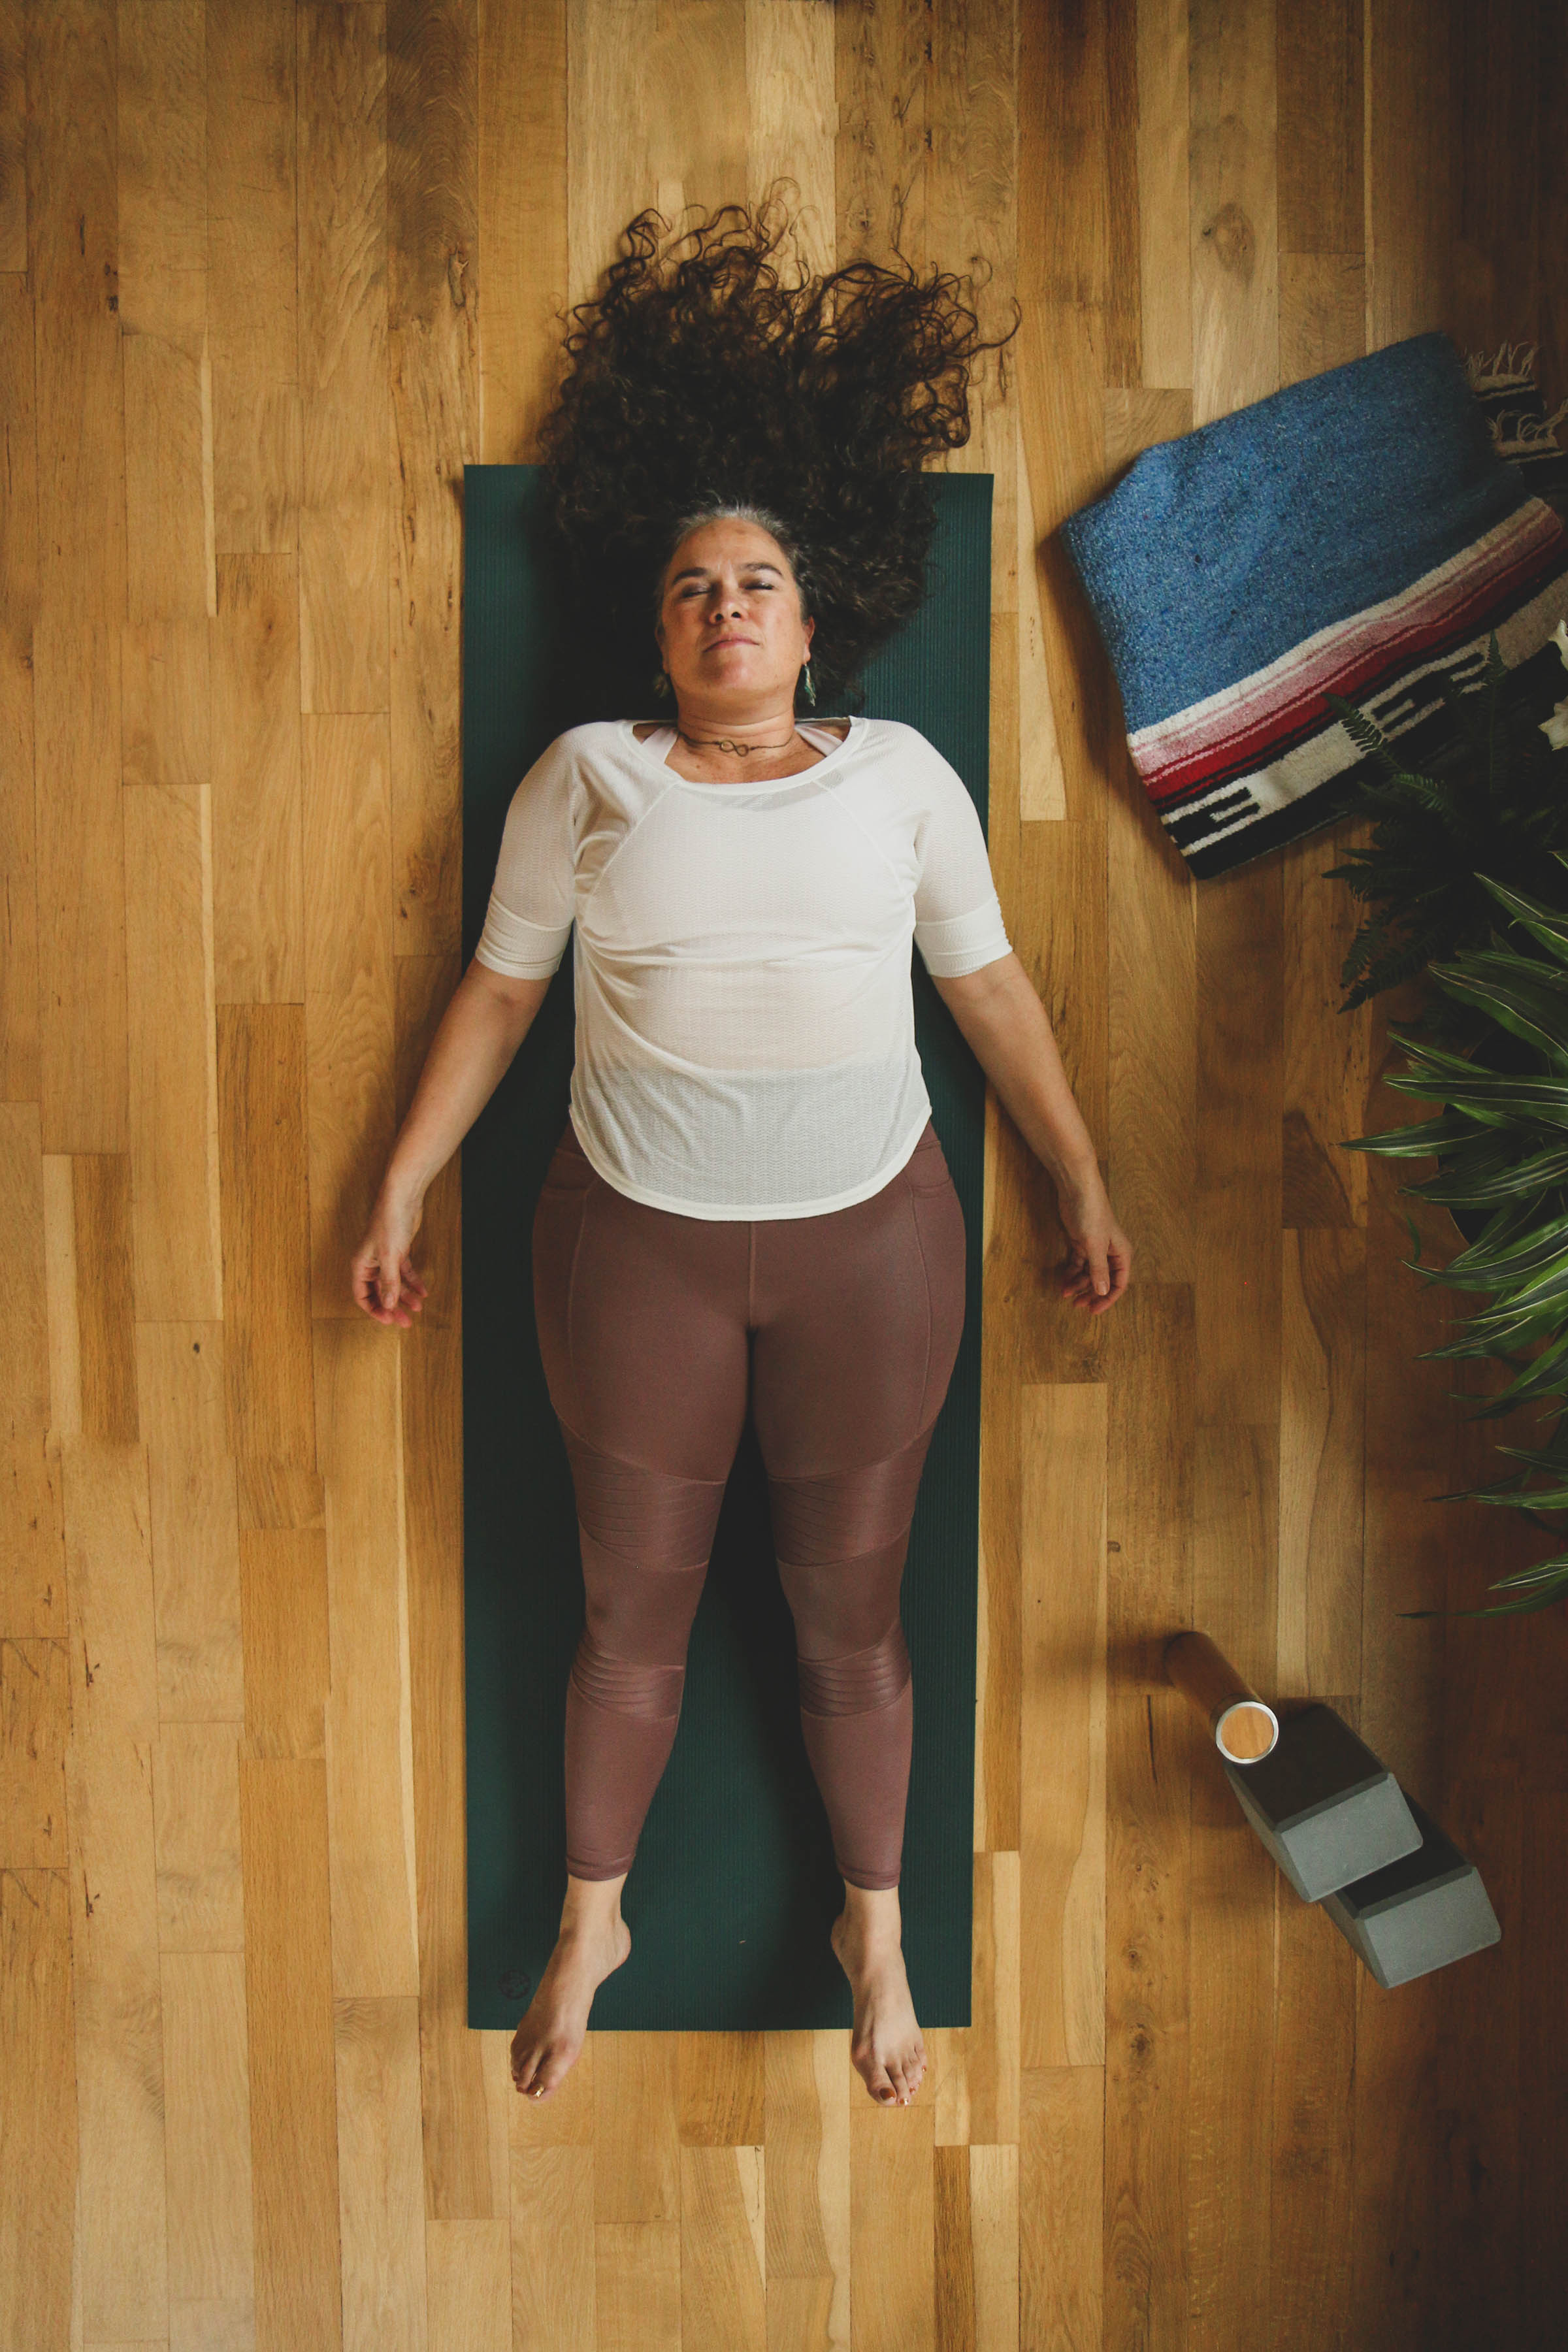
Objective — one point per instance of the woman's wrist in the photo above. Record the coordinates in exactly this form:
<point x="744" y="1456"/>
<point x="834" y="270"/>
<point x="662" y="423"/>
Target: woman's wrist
<point x="403" y="1190"/>
<point x="1079" y="1172"/>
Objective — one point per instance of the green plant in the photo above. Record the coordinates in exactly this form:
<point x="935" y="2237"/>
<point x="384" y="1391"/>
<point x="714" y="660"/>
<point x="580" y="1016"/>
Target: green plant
<point x="1503" y="1138"/>
<point x="1492" y="795"/>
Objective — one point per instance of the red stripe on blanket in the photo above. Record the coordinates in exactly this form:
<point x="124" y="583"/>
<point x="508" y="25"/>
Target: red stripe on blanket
<point x="1425" y="616"/>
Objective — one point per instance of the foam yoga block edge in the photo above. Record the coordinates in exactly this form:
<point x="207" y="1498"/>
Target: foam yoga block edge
<point x="1324" y="1806"/>
<point x="1418" y="1913"/>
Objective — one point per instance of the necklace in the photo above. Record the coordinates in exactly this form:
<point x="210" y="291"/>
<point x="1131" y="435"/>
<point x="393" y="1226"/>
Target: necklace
<point x="728" y="744"/>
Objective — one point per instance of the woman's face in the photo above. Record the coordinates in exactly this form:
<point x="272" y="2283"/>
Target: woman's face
<point x="730" y="626"/>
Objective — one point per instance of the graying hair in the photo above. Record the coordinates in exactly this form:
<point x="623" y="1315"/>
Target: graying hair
<point x="718" y="509"/>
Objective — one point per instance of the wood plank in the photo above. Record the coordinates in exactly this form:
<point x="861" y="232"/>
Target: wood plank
<point x="35" y="1731"/>
<point x="1164" y="247"/>
<point x="1477" y="2097"/>
<point x="792" y="113"/>
<point x="380" y="2175"/>
<point x="1063" y="1443"/>
<point x="266" y="1234"/>
<point x="458" y="2184"/>
<point x="554" y="2274"/>
<point x="892" y="2270"/>
<point x="1321" y="127"/>
<point x="521" y="221"/>
<point x="1394" y="2250"/>
<point x="1153" y="1746"/>
<point x="1327" y="1053"/>
<point x="1312" y="2154"/>
<point x="173" y="1054"/>
<point x="722" y="2297"/>
<point x="994" y="2223"/>
<point x="636" y="2173"/>
<point x="168" y="454"/>
<point x="1042" y="786"/>
<point x="165" y="702"/>
<point x="719" y="2083"/>
<point x="974" y="2072"/>
<point x="1059" y="357"/>
<point x="955" y="2313"/>
<point x="195" y="1814"/>
<point x="32" y="1537"/>
<point x="24" y="1303"/>
<point x="1061" y="2207"/>
<point x="258" y="888"/>
<point x="886" y="68"/>
<point x="122" y="2254"/>
<point x="207" y="2096"/>
<point x="433" y="335"/>
<point x="19" y="1072"/>
<point x="424" y="989"/>
<point x="105" y="1294"/>
<point x="350" y="1002"/>
<point x="807" y="2265"/>
<point x="1235" y="205"/>
<point x="344" y="532"/>
<point x="1411" y="194"/>
<point x="1321" y="1470"/>
<point x="283" y="1592"/>
<point x="37" y="2109"/>
<point x="73" y="261"/>
<point x="1230" y="2113"/>
<point x="182" y="1392"/>
<point x="82" y="888"/>
<point x="467" y="2285"/>
<point x="289" y="2017"/>
<point x="13" y="137"/>
<point x="160" y="113"/>
<point x="369" y="1757"/>
<point x="638" y="2294"/>
<point x="251" y="294"/>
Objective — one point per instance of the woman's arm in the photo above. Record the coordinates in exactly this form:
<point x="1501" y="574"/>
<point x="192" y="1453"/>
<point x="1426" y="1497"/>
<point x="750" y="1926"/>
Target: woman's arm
<point x="1006" y="1028"/>
<point x="485" y="1022"/>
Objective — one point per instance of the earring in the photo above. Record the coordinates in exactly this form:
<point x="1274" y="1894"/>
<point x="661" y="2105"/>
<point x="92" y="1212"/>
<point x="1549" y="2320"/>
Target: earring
<point x="810" y="689"/>
<point x="661" y="682"/>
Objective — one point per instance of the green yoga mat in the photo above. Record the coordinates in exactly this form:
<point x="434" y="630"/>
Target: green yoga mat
<point x="733" y="1887"/>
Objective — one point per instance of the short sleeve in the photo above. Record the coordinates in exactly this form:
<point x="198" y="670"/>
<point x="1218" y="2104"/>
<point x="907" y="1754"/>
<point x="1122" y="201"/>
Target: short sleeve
<point x="958" y="916"/>
<point x="531" y="903"/>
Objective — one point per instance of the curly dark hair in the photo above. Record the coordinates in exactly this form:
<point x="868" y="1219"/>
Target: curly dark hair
<point x="699" y="382"/>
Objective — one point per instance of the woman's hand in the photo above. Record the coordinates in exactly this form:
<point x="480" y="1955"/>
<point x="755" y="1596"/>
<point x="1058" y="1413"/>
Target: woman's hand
<point x="1099" y="1265"/>
<point x="385" y="1282"/>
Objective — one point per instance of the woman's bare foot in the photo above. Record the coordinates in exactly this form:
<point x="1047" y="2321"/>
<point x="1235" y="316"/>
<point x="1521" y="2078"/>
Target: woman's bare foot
<point x="546" y="2044"/>
<point x="885" y="2046"/>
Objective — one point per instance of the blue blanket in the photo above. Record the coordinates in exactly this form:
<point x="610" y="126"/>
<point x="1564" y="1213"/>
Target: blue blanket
<point x="1355" y="534"/>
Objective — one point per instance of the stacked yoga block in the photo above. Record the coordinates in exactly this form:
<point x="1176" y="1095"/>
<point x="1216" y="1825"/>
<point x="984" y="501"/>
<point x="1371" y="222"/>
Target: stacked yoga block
<point x="1343" y="1830"/>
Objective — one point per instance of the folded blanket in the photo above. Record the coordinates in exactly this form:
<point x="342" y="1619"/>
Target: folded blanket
<point x="1355" y="534"/>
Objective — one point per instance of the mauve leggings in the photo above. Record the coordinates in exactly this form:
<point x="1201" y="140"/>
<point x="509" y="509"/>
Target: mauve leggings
<point x="848" y="1324"/>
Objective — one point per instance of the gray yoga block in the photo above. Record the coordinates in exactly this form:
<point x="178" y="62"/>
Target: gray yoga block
<point x="1326" y="1809"/>
<point x="1420" y="1913"/>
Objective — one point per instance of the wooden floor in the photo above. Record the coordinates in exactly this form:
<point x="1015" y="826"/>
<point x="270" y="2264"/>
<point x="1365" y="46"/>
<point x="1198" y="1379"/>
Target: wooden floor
<point x="269" y="275"/>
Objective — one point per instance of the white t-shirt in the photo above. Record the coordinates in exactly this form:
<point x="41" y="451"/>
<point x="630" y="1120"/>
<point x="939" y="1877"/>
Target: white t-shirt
<point x="745" y="1041"/>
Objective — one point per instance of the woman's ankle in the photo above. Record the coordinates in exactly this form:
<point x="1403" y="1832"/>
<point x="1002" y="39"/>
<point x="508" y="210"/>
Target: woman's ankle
<point x="592" y="1906"/>
<point x="872" y="1913"/>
